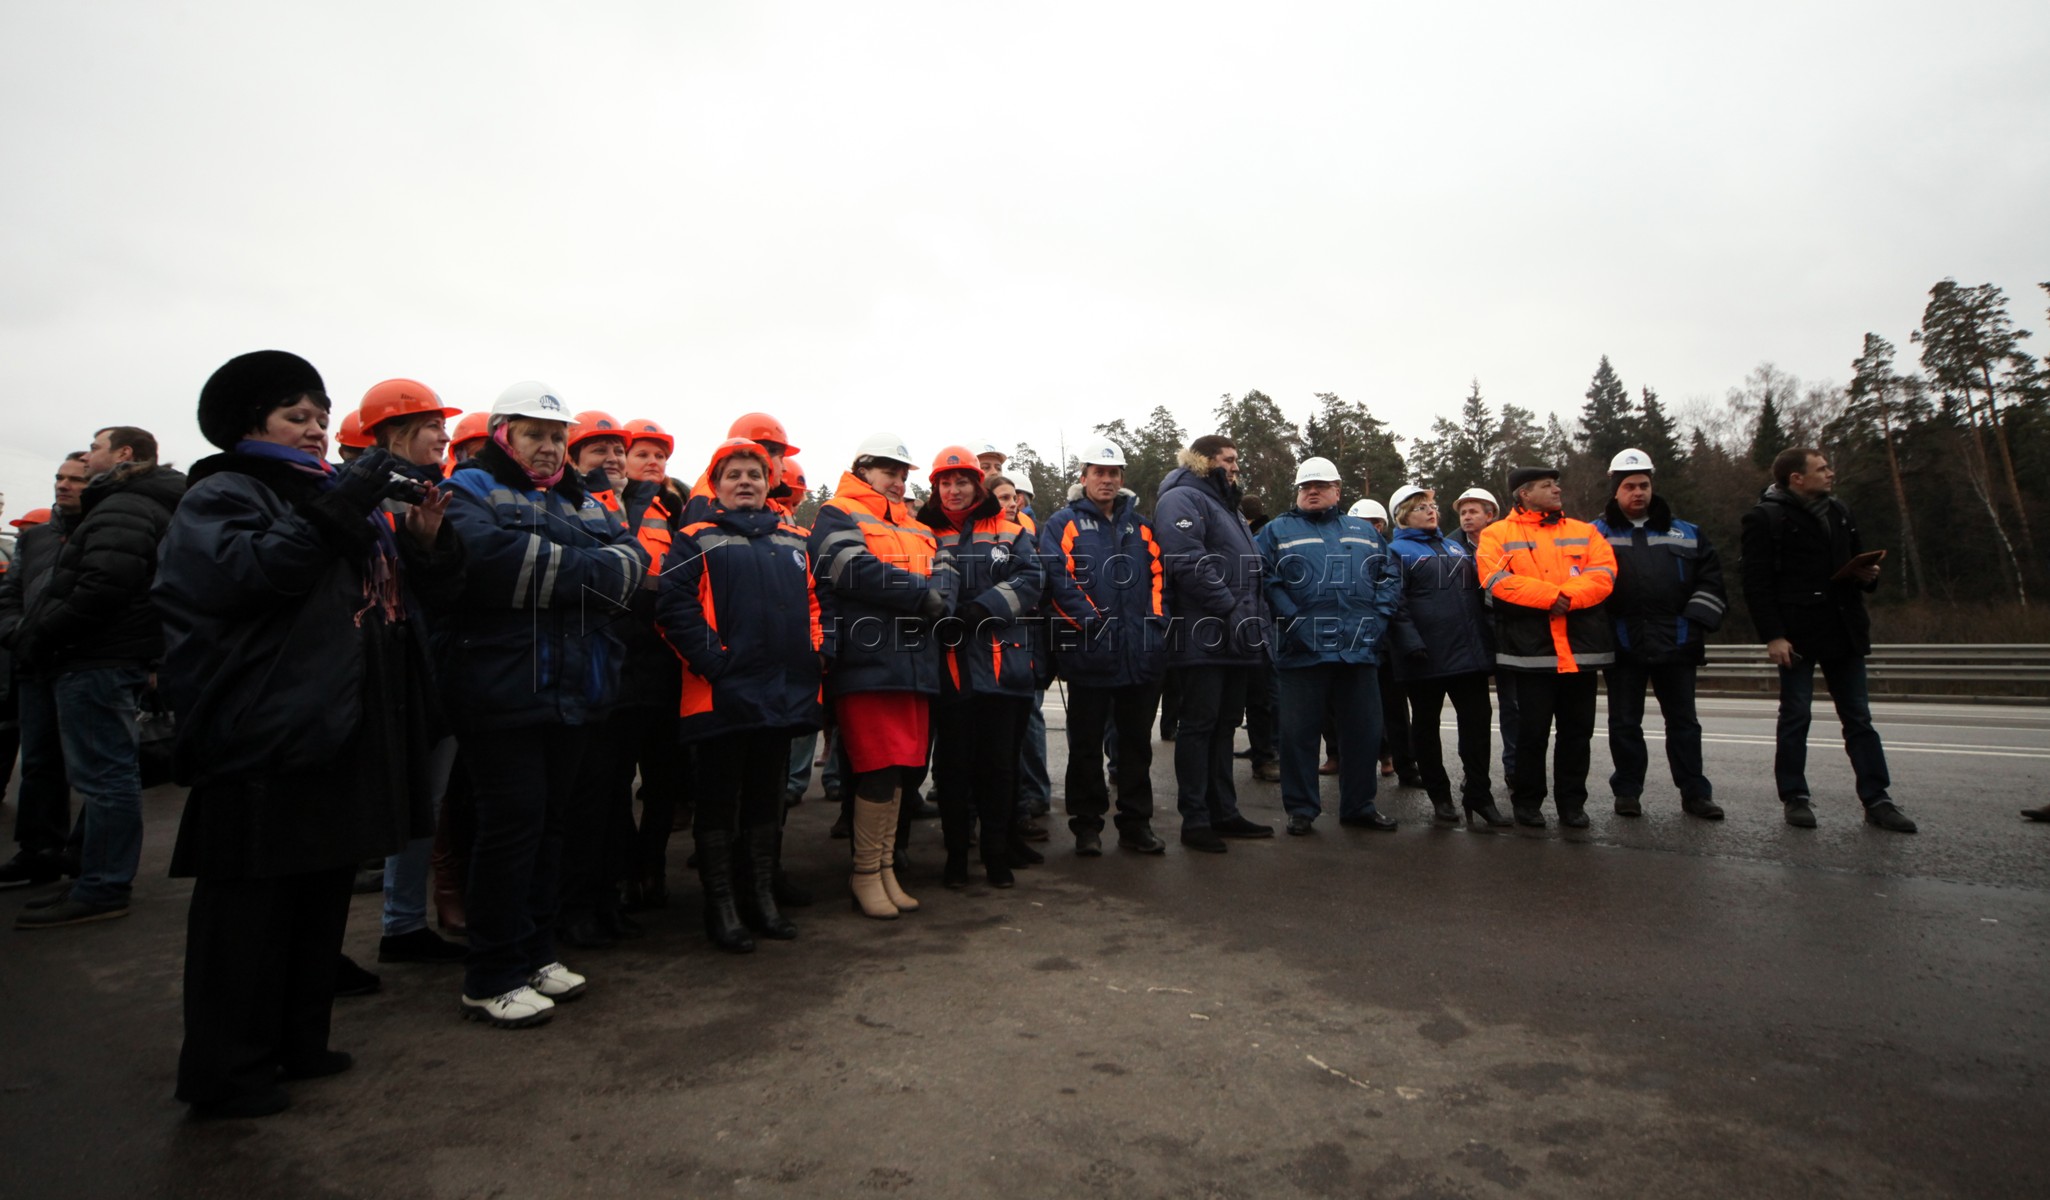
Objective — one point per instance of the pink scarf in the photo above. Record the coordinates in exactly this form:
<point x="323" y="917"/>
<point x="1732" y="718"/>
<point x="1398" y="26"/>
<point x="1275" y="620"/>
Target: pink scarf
<point x="543" y="482"/>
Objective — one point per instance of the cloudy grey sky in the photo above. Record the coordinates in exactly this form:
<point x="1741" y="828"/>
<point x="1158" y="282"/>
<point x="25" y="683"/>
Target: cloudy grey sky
<point x="959" y="220"/>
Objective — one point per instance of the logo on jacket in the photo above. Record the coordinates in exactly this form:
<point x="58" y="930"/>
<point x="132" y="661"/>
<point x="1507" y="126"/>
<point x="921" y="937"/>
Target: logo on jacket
<point x="999" y="553"/>
<point x="1184" y="523"/>
<point x="797" y="556"/>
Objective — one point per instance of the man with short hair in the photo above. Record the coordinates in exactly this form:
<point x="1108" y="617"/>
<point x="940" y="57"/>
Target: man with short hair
<point x="1548" y="576"/>
<point x="1477" y="510"/>
<point x="94" y="629"/>
<point x="1669" y="595"/>
<point x="1805" y="585"/>
<point x="1220" y="634"/>
<point x="42" y="817"/>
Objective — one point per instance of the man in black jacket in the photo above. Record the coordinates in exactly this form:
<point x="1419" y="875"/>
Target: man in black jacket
<point x="94" y="630"/>
<point x="1669" y="594"/>
<point x="1807" y="601"/>
<point x="42" y="816"/>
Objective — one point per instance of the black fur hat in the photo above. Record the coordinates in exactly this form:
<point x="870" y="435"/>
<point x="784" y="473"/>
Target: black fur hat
<point x="248" y="386"/>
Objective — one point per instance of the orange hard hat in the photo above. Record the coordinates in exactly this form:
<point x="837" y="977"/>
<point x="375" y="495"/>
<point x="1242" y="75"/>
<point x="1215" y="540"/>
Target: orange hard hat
<point x="730" y="447"/>
<point x="34" y="516"/>
<point x="473" y="426"/>
<point x="640" y="429"/>
<point x="351" y="433"/>
<point x="761" y="427"/>
<point x="592" y="423"/>
<point x="955" y="458"/>
<point x="399" y="398"/>
<point x="793" y="475"/>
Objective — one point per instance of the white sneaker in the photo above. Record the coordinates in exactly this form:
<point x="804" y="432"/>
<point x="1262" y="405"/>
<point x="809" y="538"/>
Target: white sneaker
<point x="517" y="1009"/>
<point x="557" y="982"/>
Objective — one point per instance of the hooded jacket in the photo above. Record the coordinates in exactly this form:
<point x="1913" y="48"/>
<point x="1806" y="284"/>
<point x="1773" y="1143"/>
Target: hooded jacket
<point x="736" y="603"/>
<point x="1213" y="569"/>
<point x="1787" y="557"/>
<point x="1106" y="593"/>
<point x="875" y="563"/>
<point x="305" y="707"/>
<point x="998" y="579"/>
<point x="1529" y="559"/>
<point x="94" y="610"/>
<point x="1669" y="586"/>
<point x="35" y="554"/>
<point x="1442" y="605"/>
<point x="1332" y="584"/>
<point x="536" y="633"/>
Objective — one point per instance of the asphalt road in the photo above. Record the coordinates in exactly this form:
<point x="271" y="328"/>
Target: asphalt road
<point x="1659" y="1006"/>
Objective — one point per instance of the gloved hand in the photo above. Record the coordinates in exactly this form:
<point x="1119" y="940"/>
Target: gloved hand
<point x="362" y="484"/>
<point x="1418" y="657"/>
<point x="932" y="606"/>
<point x="975" y="614"/>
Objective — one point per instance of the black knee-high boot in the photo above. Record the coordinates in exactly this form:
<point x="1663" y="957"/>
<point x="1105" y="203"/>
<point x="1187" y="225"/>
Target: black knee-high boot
<point x="723" y="927"/>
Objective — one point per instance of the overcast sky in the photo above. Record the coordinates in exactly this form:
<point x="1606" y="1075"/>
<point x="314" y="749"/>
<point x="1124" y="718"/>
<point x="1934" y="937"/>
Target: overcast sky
<point x="960" y="220"/>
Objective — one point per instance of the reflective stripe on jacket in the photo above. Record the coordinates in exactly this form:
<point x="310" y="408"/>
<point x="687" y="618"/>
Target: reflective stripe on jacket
<point x="1669" y="586"/>
<point x="1333" y="584"/>
<point x="996" y="566"/>
<point x="1106" y="594"/>
<point x="1527" y="560"/>
<point x="874" y="564"/>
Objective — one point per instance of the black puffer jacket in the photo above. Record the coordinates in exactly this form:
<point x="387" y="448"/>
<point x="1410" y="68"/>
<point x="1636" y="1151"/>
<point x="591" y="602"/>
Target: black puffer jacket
<point x="35" y="553"/>
<point x="95" y="610"/>
<point x="1787" y="559"/>
<point x="1669" y="586"/>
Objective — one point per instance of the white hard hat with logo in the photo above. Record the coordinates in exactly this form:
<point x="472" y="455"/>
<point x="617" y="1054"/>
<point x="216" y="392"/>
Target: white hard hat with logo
<point x="886" y="446"/>
<point x="533" y="399"/>
<point x="1481" y="494"/>
<point x="1632" y="462"/>
<point x="986" y="447"/>
<point x="1101" y="454"/>
<point x="1317" y="470"/>
<point x="1369" y="508"/>
<point x="1403" y="493"/>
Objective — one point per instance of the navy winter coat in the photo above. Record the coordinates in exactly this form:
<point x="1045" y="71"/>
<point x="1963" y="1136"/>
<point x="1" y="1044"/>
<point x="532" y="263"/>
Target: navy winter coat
<point x="550" y="575"/>
<point x="1669" y="586"/>
<point x="997" y="570"/>
<point x="1106" y="594"/>
<point x="736" y="602"/>
<point x="1213" y="570"/>
<point x="874" y="567"/>
<point x="94" y="609"/>
<point x="1333" y="585"/>
<point x="1442" y="604"/>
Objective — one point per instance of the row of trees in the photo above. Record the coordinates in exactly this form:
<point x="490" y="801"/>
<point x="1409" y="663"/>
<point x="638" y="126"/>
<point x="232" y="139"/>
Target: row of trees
<point x="1949" y="465"/>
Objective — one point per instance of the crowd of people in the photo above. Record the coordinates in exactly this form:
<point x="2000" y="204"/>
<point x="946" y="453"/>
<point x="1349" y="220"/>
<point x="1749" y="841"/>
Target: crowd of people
<point x="488" y="666"/>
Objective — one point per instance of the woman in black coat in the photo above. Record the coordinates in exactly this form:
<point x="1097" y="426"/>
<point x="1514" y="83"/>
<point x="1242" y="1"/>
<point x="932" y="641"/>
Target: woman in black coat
<point x="295" y="661"/>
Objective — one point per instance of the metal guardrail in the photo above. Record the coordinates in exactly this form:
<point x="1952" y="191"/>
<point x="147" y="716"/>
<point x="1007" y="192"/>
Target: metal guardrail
<point x="1906" y="665"/>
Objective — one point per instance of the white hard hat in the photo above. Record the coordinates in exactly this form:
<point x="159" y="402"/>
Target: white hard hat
<point x="1632" y="462"/>
<point x="1403" y="493"/>
<point x="1101" y="454"/>
<point x="987" y="447"/>
<point x="1481" y="494"/>
<point x="530" y="398"/>
<point x="1317" y="470"/>
<point x="1370" y="509"/>
<point x="886" y="446"/>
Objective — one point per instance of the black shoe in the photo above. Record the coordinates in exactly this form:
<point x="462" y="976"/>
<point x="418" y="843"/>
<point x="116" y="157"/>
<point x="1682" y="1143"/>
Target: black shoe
<point x="1574" y="818"/>
<point x="267" y="1103"/>
<point x="1089" y="844"/>
<point x="1267" y="771"/>
<point x="328" y="1062"/>
<point x="1377" y="821"/>
<point x="842" y="828"/>
<point x="67" y="910"/>
<point x="1205" y="840"/>
<point x="31" y="869"/>
<point x="368" y="882"/>
<point x="49" y="899"/>
<point x="1029" y="830"/>
<point x="1696" y="806"/>
<point x="420" y="946"/>
<point x="2037" y="814"/>
<point x="1022" y="855"/>
<point x="585" y="933"/>
<point x="792" y="800"/>
<point x="615" y="922"/>
<point x="1409" y="778"/>
<point x="1239" y="827"/>
<point x="1629" y="806"/>
<point x="1141" y="841"/>
<point x="1885" y="815"/>
<point x="352" y="980"/>
<point x="1533" y="817"/>
<point x="1442" y="810"/>
<point x="1486" y="811"/>
<point x="1799" y="815"/>
<point x="1299" y="825"/>
<point x="999" y="873"/>
<point x="955" y="873"/>
<point x="918" y="808"/>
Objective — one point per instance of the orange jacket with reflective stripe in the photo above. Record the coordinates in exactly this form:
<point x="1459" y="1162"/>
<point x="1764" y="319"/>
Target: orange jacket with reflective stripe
<point x="1527" y="560"/>
<point x="875" y="565"/>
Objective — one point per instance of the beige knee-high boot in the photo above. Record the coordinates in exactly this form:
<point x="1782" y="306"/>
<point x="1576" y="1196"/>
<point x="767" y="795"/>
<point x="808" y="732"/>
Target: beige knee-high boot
<point x="875" y="825"/>
<point x="897" y="895"/>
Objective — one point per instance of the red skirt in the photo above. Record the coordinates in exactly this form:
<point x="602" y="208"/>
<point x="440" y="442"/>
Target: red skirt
<point x="884" y="729"/>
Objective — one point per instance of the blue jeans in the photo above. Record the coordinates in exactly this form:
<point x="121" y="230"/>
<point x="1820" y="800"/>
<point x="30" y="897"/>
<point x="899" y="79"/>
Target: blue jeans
<point x="1035" y="785"/>
<point x="1351" y="694"/>
<point x="1846" y="679"/>
<point x="96" y="718"/>
<point x="405" y="873"/>
<point x="803" y="748"/>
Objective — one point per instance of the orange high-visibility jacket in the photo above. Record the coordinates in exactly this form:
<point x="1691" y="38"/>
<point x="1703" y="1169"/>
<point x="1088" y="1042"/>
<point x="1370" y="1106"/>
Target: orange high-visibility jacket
<point x="1527" y="560"/>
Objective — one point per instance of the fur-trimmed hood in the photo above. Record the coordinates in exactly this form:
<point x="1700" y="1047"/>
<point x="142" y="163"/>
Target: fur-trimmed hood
<point x="1075" y="493"/>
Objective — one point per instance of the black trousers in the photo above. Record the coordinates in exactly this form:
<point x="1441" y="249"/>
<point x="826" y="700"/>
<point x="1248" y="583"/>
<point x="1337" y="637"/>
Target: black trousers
<point x="1673" y="683"/>
<point x="525" y="780"/>
<point x="1170" y="705"/>
<point x="1263" y="714"/>
<point x="1395" y="738"/>
<point x="1090" y="712"/>
<point x="668" y="779"/>
<point x="975" y="768"/>
<point x="1213" y="698"/>
<point x="1543" y="697"/>
<point x="1469" y="696"/>
<point x="740" y="781"/>
<point x="599" y="818"/>
<point x="260" y="957"/>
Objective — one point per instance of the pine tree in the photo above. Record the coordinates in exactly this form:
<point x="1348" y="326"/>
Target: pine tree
<point x="1876" y="392"/>
<point x="1519" y="442"/>
<point x="1356" y="441"/>
<point x="1607" y="421"/>
<point x="1657" y="437"/>
<point x="1768" y="438"/>
<point x="1266" y="442"/>
<point x="1965" y="334"/>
